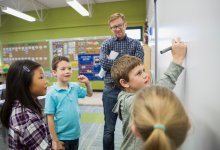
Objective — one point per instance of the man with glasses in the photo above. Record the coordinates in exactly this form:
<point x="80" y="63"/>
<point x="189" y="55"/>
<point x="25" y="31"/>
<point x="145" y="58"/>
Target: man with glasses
<point x="122" y="45"/>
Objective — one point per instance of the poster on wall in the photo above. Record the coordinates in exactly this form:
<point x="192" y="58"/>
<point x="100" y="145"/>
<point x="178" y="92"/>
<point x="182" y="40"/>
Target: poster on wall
<point x="36" y="51"/>
<point x="89" y="65"/>
<point x="73" y="47"/>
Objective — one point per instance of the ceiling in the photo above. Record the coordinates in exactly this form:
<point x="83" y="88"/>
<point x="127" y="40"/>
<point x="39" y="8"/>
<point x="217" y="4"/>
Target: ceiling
<point x="28" y="5"/>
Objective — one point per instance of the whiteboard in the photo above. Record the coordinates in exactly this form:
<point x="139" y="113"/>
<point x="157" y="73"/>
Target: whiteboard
<point x="198" y="23"/>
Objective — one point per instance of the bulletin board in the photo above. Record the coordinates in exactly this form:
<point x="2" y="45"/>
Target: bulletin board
<point x="36" y="51"/>
<point x="83" y="49"/>
<point x="74" y="46"/>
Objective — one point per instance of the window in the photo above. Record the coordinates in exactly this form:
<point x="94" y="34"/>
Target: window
<point x="135" y="32"/>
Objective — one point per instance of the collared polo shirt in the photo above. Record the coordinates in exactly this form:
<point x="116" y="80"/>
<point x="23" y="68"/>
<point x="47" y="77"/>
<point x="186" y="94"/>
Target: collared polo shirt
<point x="63" y="104"/>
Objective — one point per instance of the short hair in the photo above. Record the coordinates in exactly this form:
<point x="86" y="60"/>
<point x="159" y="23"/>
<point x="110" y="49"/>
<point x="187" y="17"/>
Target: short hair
<point x="116" y="16"/>
<point x="58" y="59"/>
<point x="159" y="105"/>
<point x="121" y="68"/>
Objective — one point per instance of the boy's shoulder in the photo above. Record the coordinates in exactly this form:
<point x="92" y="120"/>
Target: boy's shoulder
<point x="123" y="95"/>
<point x="55" y="88"/>
<point x="51" y="89"/>
<point x="124" y="100"/>
<point x="73" y="84"/>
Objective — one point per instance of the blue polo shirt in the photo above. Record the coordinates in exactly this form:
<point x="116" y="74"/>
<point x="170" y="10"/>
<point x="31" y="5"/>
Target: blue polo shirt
<point x="63" y="104"/>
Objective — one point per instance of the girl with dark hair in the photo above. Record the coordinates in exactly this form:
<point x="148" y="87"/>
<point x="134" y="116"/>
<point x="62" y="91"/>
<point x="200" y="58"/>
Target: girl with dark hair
<point x="21" y="113"/>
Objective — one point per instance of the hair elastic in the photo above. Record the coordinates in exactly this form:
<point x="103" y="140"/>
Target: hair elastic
<point x="26" y="68"/>
<point x="160" y="126"/>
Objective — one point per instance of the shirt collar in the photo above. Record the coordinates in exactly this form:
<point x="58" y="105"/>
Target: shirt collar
<point x="60" y="89"/>
<point x="16" y="103"/>
<point x="125" y="38"/>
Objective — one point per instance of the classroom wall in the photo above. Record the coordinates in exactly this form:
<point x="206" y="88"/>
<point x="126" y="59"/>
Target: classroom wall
<point x="0" y="53"/>
<point x="197" y="22"/>
<point x="67" y="23"/>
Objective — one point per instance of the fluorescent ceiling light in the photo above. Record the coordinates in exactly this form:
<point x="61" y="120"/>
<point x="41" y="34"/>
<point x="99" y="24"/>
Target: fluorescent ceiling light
<point x="18" y="14"/>
<point x="78" y="7"/>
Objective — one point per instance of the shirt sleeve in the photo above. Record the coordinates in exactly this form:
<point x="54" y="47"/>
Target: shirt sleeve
<point x="139" y="51"/>
<point x="36" y="135"/>
<point x="170" y="76"/>
<point x="81" y="92"/>
<point x="50" y="104"/>
<point x="105" y="62"/>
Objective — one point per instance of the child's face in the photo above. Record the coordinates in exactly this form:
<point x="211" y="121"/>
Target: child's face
<point x="63" y="71"/>
<point x="39" y="83"/>
<point x="137" y="79"/>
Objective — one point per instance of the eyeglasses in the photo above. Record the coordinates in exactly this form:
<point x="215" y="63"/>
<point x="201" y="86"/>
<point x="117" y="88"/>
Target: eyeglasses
<point x="117" y="26"/>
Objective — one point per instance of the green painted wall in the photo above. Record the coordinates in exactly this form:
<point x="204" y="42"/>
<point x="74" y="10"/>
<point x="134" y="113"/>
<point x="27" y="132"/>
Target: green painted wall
<point x="0" y="53"/>
<point x="67" y="23"/>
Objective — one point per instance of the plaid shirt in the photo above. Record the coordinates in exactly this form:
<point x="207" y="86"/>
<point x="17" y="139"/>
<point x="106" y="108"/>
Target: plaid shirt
<point x="27" y="130"/>
<point x="125" y="46"/>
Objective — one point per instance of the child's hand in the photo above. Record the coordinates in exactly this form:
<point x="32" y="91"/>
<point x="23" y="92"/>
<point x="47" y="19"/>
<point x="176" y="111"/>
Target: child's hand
<point x="178" y="51"/>
<point x="57" y="145"/>
<point x="83" y="79"/>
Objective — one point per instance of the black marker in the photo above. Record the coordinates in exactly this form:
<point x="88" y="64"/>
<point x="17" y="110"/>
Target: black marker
<point x="166" y="50"/>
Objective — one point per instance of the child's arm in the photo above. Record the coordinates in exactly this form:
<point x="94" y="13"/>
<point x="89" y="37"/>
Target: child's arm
<point x="56" y="144"/>
<point x="179" y="50"/>
<point x="85" y="80"/>
<point x="89" y="89"/>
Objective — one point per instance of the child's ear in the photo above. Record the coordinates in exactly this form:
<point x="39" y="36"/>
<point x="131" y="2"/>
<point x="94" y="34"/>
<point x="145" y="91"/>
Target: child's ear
<point x="124" y="83"/>
<point x="54" y="73"/>
<point x="135" y="131"/>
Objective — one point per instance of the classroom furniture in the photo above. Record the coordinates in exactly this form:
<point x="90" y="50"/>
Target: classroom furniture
<point x="2" y="77"/>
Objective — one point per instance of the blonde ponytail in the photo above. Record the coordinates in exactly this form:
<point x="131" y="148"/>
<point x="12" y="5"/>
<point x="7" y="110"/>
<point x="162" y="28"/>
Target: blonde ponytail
<point x="160" y="118"/>
<point x="157" y="141"/>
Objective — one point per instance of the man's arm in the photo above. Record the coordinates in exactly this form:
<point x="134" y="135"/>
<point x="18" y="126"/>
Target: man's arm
<point x="106" y="63"/>
<point x="139" y="51"/>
